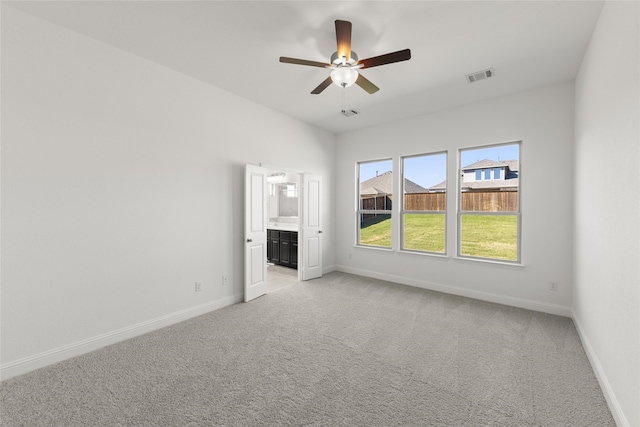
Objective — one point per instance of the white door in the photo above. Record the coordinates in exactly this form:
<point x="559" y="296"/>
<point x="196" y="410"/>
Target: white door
<point x="255" y="232"/>
<point x="311" y="227"/>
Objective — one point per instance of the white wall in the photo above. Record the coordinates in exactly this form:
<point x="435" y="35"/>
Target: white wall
<point x="607" y="207"/>
<point x="122" y="185"/>
<point x="543" y="120"/>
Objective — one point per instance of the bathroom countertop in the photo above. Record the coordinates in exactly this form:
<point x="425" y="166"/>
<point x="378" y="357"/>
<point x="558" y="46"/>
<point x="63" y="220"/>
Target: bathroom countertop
<point x="283" y="227"/>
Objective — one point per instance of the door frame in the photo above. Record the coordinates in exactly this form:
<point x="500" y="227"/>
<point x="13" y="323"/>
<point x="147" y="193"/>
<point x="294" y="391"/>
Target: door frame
<point x="301" y="198"/>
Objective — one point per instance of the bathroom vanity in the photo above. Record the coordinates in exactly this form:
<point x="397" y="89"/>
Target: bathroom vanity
<point x="282" y="247"/>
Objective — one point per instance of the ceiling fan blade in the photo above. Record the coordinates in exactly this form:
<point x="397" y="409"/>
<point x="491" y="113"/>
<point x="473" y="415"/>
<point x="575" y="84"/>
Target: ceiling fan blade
<point x="366" y="84"/>
<point x="343" y="38"/>
<point x="322" y="86"/>
<point x="389" y="58"/>
<point x="303" y="62"/>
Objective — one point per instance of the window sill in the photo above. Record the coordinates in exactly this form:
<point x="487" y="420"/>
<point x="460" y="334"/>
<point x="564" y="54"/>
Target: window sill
<point x="427" y="254"/>
<point x="517" y="266"/>
<point x="373" y="248"/>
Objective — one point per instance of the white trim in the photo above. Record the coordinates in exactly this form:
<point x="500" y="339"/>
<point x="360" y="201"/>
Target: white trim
<point x="543" y="307"/>
<point x="617" y="412"/>
<point x="375" y="248"/>
<point x="491" y="261"/>
<point x="49" y="357"/>
<point x="328" y="269"/>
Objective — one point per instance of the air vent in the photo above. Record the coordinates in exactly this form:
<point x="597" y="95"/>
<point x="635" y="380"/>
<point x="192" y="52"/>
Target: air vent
<point x="349" y="113"/>
<point x="480" y="75"/>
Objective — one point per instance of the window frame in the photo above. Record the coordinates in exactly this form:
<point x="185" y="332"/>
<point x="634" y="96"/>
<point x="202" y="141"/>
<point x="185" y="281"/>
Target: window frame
<point x="403" y="212"/>
<point x="517" y="213"/>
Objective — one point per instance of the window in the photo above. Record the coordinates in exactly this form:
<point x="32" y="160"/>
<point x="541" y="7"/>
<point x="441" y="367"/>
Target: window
<point x="478" y="175"/>
<point x="424" y="194"/>
<point x="496" y="173"/>
<point x="489" y="213"/>
<point x="375" y="191"/>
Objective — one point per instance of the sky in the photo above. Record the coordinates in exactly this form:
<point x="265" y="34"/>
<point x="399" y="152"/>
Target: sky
<point x="430" y="170"/>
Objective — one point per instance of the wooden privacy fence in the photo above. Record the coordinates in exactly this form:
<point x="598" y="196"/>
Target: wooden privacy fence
<point x="490" y="201"/>
<point x="474" y="201"/>
<point x="425" y="201"/>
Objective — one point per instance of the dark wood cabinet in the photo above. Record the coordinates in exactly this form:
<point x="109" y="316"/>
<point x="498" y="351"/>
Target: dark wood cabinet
<point x="273" y="246"/>
<point x="282" y="248"/>
<point x="294" y="250"/>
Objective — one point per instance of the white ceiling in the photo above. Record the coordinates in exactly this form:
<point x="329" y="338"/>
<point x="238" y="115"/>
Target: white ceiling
<point x="236" y="46"/>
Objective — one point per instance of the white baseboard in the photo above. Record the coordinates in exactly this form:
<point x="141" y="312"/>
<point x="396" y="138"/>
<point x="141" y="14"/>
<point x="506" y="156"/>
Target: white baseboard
<point x="49" y="357"/>
<point x="454" y="290"/>
<point x="328" y="269"/>
<point x="609" y="395"/>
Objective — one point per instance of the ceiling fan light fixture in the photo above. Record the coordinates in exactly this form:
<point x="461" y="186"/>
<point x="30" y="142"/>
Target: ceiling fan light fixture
<point x="345" y="65"/>
<point x="344" y="76"/>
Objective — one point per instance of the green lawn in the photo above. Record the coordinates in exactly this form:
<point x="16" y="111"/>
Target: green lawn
<point x="424" y="232"/>
<point x="376" y="232"/>
<point x="490" y="236"/>
<point x="485" y="236"/>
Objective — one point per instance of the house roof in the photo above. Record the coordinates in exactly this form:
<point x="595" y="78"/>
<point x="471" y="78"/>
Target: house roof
<point x="479" y="185"/>
<point x="486" y="163"/>
<point x="383" y="184"/>
<point x="371" y="191"/>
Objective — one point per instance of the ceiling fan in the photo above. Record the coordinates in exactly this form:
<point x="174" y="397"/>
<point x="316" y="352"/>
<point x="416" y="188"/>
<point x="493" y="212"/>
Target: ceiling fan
<point x="345" y="64"/>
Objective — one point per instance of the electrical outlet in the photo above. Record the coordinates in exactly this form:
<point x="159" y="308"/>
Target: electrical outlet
<point x="198" y="286"/>
<point x="553" y="286"/>
<point x="224" y="281"/>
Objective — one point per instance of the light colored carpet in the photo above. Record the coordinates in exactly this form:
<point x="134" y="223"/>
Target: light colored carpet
<point x="337" y="351"/>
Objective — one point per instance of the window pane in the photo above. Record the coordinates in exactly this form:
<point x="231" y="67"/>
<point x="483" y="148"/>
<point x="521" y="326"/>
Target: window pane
<point x="424" y="232"/>
<point x="481" y="232"/>
<point x="489" y="236"/>
<point x="424" y="187"/>
<point x="375" y="230"/>
<point x="478" y="175"/>
<point x="375" y="203"/>
<point x="375" y="176"/>
<point x="499" y="195"/>
<point x="424" y="190"/>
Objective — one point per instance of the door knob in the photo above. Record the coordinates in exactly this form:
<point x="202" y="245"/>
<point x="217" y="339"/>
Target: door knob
<point x="249" y="240"/>
<point x="319" y="231"/>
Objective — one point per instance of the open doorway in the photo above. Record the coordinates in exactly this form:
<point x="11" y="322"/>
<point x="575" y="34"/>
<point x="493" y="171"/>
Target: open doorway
<point x="283" y="228"/>
<point x="304" y="231"/>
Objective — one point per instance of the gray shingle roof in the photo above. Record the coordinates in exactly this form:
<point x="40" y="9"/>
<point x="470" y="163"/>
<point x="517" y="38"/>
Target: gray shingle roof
<point x="383" y="184"/>
<point x="486" y="163"/>
<point x="480" y="185"/>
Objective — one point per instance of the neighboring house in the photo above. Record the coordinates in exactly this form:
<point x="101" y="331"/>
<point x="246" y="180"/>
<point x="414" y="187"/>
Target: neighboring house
<point x="491" y="175"/>
<point x="487" y="175"/>
<point x="376" y="192"/>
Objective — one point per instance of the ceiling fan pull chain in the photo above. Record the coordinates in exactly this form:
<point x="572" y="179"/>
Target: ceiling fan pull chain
<point x="344" y="94"/>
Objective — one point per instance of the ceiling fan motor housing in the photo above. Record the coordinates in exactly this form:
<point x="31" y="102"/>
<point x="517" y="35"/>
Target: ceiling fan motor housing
<point x="336" y="60"/>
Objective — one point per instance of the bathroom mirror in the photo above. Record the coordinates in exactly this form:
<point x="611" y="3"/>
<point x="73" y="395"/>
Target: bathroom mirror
<point x="287" y="199"/>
